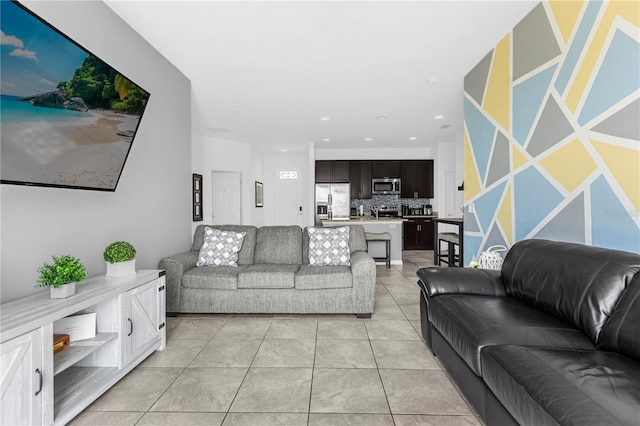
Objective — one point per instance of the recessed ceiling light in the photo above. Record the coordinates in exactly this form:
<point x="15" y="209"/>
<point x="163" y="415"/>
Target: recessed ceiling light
<point x="439" y="117"/>
<point x="432" y="80"/>
<point x="412" y="138"/>
<point x="326" y="140"/>
<point x="325" y="119"/>
<point x="381" y="117"/>
<point x="368" y="139"/>
<point x="283" y="150"/>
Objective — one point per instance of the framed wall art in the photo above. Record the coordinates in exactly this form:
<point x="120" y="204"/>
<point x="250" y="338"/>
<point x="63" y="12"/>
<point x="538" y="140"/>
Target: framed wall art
<point x="197" y="197"/>
<point x="259" y="194"/>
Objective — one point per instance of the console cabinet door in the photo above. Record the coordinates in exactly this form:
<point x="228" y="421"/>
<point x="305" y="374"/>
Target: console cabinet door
<point x="141" y="324"/>
<point x="23" y="380"/>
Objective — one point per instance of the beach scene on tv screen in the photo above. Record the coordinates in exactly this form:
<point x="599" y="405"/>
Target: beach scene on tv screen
<point x="68" y="119"/>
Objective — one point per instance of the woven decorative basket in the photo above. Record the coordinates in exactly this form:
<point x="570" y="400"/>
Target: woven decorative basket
<point x="491" y="259"/>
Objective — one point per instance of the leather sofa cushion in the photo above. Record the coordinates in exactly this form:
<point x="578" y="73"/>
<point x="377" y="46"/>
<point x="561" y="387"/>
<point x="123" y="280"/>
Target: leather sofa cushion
<point x="544" y="386"/>
<point x="279" y="245"/>
<point x="578" y="283"/>
<point x="268" y="276"/>
<point x="622" y="331"/>
<point x="213" y="277"/>
<point x="246" y="253"/>
<point x="319" y="277"/>
<point x="357" y="241"/>
<point x="469" y="323"/>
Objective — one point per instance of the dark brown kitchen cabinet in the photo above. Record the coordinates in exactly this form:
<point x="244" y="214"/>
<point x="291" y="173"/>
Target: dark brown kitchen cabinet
<point x="360" y="179"/>
<point x="384" y="169"/>
<point x="418" y="234"/>
<point x="417" y="178"/>
<point x="335" y="171"/>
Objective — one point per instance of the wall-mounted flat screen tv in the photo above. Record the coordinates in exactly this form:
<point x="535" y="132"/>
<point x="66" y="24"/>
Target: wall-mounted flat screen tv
<point x="68" y="119"/>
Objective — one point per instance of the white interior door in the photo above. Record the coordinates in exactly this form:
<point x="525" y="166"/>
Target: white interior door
<point x="287" y="196"/>
<point x="226" y="196"/>
<point x="451" y="189"/>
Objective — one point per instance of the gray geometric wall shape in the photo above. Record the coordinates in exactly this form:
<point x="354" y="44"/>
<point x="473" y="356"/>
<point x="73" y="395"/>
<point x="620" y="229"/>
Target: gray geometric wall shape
<point x="499" y="165"/>
<point x="495" y="238"/>
<point x="470" y="222"/>
<point x="568" y="225"/>
<point x="624" y="123"/>
<point x="476" y="80"/>
<point x="534" y="42"/>
<point x="552" y="127"/>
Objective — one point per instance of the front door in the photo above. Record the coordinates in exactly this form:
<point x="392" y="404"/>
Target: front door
<point x="287" y="196"/>
<point x="226" y="208"/>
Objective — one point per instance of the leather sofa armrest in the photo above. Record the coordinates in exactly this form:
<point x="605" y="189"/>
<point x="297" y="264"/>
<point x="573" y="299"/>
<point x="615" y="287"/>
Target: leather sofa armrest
<point x="175" y="266"/>
<point x="437" y="281"/>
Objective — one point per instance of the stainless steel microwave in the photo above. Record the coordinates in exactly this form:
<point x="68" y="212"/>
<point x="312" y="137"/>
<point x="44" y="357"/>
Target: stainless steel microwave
<point x="385" y="186"/>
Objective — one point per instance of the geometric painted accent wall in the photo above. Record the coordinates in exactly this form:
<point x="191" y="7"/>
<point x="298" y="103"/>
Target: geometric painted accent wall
<point x="552" y="130"/>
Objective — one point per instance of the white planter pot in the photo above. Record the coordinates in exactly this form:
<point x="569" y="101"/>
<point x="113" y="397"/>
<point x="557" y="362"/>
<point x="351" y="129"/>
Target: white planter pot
<point x="121" y="269"/>
<point x="63" y="291"/>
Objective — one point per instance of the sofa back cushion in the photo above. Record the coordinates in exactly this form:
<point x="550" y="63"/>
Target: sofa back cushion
<point x="578" y="283"/>
<point x="279" y="244"/>
<point x="246" y="253"/>
<point x="621" y="333"/>
<point x="357" y="241"/>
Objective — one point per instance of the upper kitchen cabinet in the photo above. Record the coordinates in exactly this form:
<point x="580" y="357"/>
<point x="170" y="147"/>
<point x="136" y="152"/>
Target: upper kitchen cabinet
<point x="417" y="178"/>
<point x="360" y="179"/>
<point x="385" y="169"/>
<point x="336" y="171"/>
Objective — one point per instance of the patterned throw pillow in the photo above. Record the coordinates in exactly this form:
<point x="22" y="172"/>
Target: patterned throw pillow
<point x="220" y="248"/>
<point x="329" y="246"/>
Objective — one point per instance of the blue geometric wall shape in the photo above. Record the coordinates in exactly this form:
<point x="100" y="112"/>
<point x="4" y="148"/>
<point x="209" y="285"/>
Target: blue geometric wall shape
<point x="471" y="248"/>
<point x="619" y="76"/>
<point x="527" y="99"/>
<point x="481" y="133"/>
<point x="487" y="205"/>
<point x="577" y="46"/>
<point x="534" y="198"/>
<point x="612" y="225"/>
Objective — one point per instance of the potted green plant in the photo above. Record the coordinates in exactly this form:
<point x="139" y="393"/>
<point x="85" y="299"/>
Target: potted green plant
<point x="62" y="276"/>
<point x="120" y="258"/>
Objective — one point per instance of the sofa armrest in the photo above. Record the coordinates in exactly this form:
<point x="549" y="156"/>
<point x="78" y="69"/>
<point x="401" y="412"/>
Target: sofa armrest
<point x="175" y="266"/>
<point x="437" y="281"/>
<point x="363" y="274"/>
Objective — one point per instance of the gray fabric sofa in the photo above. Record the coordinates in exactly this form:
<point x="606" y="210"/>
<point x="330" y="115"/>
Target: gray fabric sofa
<point x="273" y="276"/>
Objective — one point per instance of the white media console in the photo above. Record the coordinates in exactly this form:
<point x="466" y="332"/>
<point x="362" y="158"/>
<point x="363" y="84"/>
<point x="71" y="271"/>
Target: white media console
<point x="40" y="388"/>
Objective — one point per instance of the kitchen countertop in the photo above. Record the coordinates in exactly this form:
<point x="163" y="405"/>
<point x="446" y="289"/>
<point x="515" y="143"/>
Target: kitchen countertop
<point x="380" y="219"/>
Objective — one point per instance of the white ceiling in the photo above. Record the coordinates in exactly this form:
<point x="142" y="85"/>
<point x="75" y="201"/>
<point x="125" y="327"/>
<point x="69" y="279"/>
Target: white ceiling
<point x="265" y="72"/>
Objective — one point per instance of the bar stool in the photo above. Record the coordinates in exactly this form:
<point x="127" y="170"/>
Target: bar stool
<point x="453" y="240"/>
<point x="381" y="236"/>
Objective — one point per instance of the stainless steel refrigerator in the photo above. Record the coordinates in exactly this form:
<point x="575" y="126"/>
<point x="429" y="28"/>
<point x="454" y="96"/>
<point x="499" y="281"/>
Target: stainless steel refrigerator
<point x="332" y="201"/>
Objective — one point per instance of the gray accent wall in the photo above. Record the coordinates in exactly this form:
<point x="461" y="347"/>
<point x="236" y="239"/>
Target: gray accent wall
<point x="151" y="206"/>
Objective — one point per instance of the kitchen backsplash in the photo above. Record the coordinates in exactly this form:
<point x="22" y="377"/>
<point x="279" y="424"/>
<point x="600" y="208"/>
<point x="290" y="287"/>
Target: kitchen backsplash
<point x="389" y="200"/>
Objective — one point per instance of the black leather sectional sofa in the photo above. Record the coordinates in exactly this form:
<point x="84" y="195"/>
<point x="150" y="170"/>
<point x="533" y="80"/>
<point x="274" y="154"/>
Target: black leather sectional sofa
<point x="551" y="339"/>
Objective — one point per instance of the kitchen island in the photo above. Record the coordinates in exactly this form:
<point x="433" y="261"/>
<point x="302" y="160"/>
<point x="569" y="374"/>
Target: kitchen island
<point x="392" y="225"/>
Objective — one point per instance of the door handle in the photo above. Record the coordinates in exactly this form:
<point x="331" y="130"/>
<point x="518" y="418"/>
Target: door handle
<point x="130" y="327"/>
<point x="300" y="208"/>
<point x="41" y="380"/>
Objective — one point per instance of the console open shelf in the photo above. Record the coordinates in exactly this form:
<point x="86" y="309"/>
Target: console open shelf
<point x="79" y="350"/>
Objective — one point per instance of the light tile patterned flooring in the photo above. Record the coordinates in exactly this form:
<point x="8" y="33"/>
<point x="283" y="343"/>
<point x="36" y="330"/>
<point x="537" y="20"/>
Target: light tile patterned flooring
<point x="294" y="369"/>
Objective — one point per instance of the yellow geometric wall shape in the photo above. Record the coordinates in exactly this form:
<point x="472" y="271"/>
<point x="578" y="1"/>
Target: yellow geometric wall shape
<point x="629" y="10"/>
<point x="505" y="214"/>
<point x="566" y="15"/>
<point x="518" y="159"/>
<point x="624" y="164"/>
<point x="570" y="165"/>
<point x="498" y="95"/>
<point x="471" y="178"/>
